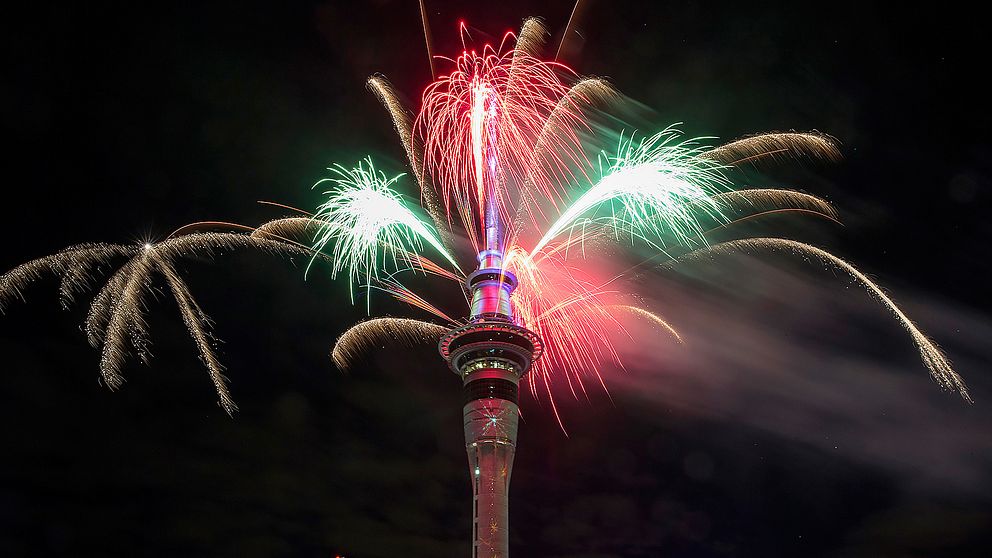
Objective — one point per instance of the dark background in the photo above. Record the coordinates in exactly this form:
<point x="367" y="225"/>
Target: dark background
<point x="126" y="121"/>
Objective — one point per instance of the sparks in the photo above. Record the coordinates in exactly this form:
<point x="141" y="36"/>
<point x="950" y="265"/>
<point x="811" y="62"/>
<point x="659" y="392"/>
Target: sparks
<point x="481" y="125"/>
<point x="364" y="220"/>
<point x="660" y="187"/>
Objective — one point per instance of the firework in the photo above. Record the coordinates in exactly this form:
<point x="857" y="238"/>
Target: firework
<point x="115" y="322"/>
<point x="362" y="337"/>
<point x="531" y="38"/>
<point x="743" y="205"/>
<point x="587" y="94"/>
<point x="427" y="36"/>
<point x="568" y="307"/>
<point x="75" y="264"/>
<point x="775" y="146"/>
<point x="774" y="199"/>
<point x="656" y="186"/>
<point x="403" y="123"/>
<point x="564" y="35"/>
<point x="295" y="229"/>
<point x="480" y="125"/>
<point x="649" y="316"/>
<point x="364" y="220"/>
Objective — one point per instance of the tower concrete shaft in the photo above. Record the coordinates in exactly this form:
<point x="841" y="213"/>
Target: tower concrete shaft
<point x="490" y="440"/>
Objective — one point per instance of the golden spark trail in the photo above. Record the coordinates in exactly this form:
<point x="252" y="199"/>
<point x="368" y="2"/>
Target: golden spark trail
<point x="568" y="25"/>
<point x="427" y="37"/>
<point x="196" y="321"/>
<point x="370" y="334"/>
<point x="116" y="319"/>
<point x="650" y="316"/>
<point x="799" y="145"/>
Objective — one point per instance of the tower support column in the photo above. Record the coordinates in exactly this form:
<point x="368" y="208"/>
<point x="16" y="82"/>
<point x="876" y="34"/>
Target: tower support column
<point x="490" y="441"/>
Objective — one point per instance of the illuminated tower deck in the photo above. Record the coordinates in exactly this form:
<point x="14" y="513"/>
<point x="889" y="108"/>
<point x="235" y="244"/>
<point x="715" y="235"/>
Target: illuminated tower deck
<point x="491" y="353"/>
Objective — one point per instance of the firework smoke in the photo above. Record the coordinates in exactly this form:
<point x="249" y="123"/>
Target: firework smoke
<point x="797" y="351"/>
<point x="935" y="361"/>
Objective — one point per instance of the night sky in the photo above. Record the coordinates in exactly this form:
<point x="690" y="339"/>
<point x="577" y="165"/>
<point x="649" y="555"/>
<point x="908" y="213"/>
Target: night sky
<point x="796" y="420"/>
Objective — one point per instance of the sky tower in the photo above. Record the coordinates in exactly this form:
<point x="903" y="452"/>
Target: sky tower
<point x="491" y="353"/>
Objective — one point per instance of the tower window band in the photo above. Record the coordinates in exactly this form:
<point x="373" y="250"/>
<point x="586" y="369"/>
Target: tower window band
<point x="491" y="388"/>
